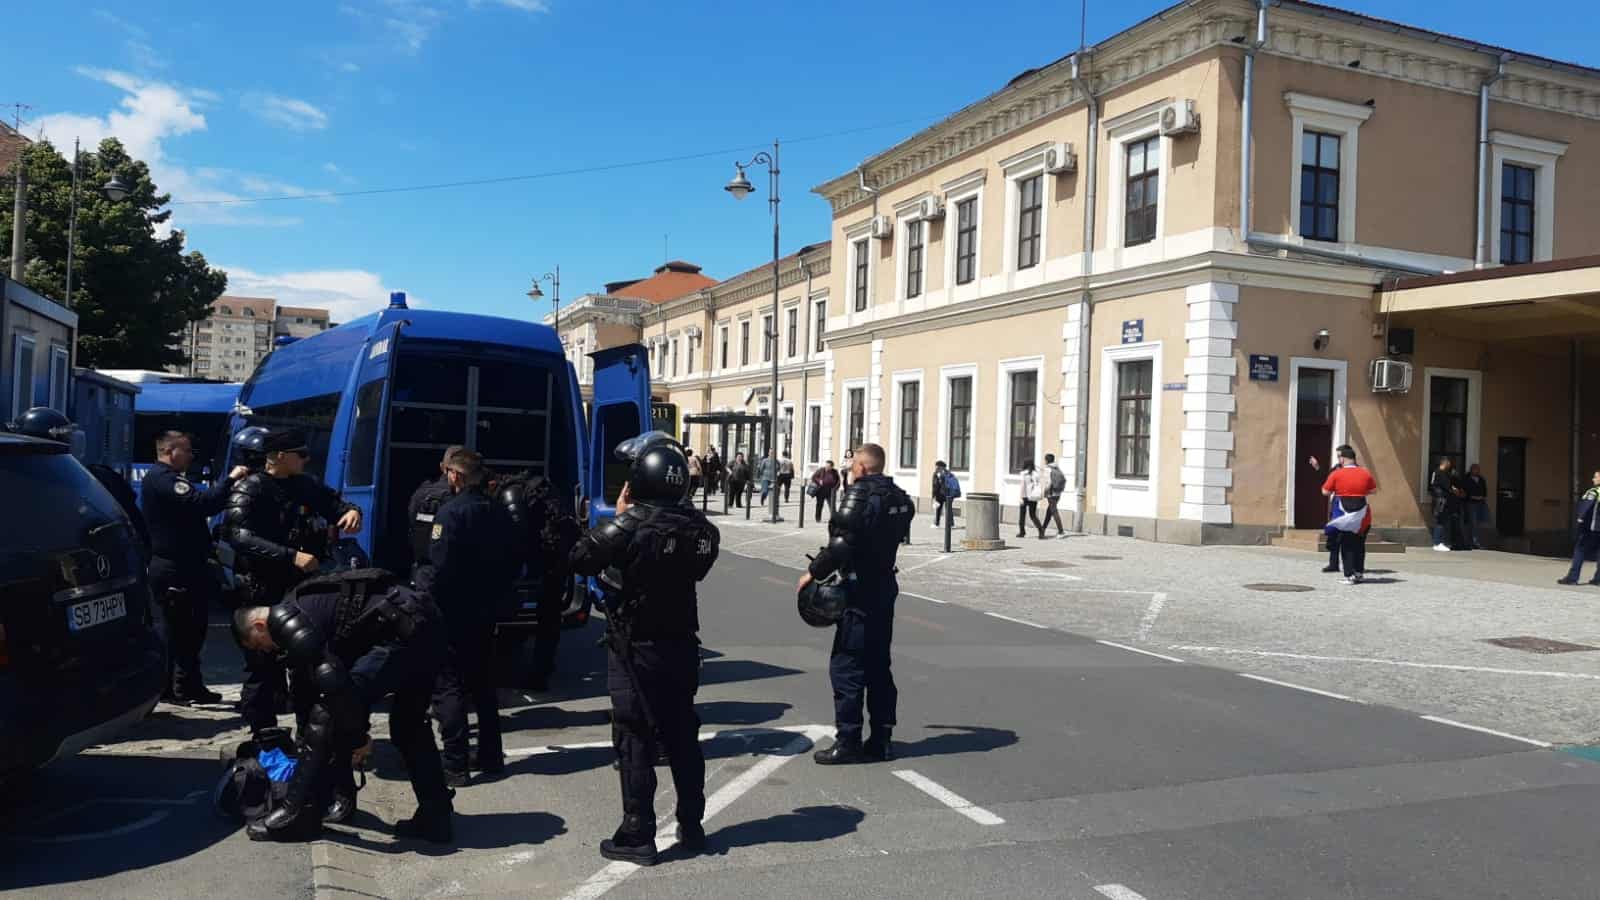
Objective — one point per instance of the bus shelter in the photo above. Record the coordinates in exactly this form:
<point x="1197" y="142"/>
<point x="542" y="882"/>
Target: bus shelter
<point x="730" y="433"/>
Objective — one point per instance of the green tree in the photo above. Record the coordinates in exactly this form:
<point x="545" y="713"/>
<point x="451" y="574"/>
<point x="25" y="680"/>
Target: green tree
<point x="133" y="290"/>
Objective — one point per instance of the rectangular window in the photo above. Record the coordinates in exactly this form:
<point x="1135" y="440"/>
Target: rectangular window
<point x="688" y="354"/>
<point x="822" y="324"/>
<point x="1447" y="421"/>
<point x="59" y="371"/>
<point x="1029" y="220"/>
<point x="910" y="422"/>
<point x="814" y="434"/>
<point x="1516" y="214"/>
<point x="960" y="450"/>
<point x="364" y="437"/>
<point x="1135" y="379"/>
<point x="768" y="338"/>
<point x="1319" y="186"/>
<point x="674" y="358"/>
<point x="724" y="349"/>
<point x="857" y="417"/>
<point x="744" y="343"/>
<point x="788" y="432"/>
<point x="914" y="254"/>
<point x="967" y="240"/>
<point x="1024" y="403"/>
<point x="1144" y="184"/>
<point x="792" y="317"/>
<point x="861" y="273"/>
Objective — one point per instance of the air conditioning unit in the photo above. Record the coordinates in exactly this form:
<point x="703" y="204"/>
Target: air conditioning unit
<point x="1391" y="376"/>
<point x="883" y="227"/>
<point x="930" y="208"/>
<point x="1059" y="159"/>
<point x="1179" y="117"/>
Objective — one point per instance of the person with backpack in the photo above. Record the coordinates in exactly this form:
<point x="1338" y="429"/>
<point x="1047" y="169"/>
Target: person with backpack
<point x="1055" y="486"/>
<point x="946" y="488"/>
<point x="1032" y="493"/>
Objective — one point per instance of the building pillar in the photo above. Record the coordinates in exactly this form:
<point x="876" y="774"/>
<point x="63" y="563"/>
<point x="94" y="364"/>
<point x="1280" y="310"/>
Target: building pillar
<point x="1208" y="403"/>
<point x="827" y="405"/>
<point x="1067" y="452"/>
<point x="875" y="394"/>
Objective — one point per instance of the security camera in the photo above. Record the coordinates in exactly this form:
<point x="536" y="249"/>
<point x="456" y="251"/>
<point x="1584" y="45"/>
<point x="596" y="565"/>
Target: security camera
<point x="1321" y="340"/>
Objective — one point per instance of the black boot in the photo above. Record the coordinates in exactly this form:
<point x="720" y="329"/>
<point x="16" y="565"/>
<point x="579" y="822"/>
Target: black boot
<point x="433" y="824"/>
<point x="844" y="752"/>
<point x="878" y="747"/>
<point x="340" y="808"/>
<point x="692" y="838"/>
<point x="634" y="841"/>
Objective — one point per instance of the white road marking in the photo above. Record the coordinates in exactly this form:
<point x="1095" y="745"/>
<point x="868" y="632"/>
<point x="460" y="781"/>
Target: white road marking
<point x="1137" y="650"/>
<point x="1060" y="576"/>
<point x="1443" y="721"/>
<point x="1118" y="892"/>
<point x="745" y="734"/>
<point x="615" y="873"/>
<point x="1298" y="687"/>
<point x="1157" y="601"/>
<point x="925" y="597"/>
<point x="770" y="537"/>
<point x="1018" y="621"/>
<point x="1492" y="670"/>
<point x="948" y="797"/>
<point x="924" y="565"/>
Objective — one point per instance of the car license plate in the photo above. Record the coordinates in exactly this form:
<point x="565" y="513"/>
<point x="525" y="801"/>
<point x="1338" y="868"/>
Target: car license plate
<point x="94" y="612"/>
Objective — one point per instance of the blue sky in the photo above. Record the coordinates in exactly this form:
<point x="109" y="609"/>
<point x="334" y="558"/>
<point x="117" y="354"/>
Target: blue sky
<point x="243" y="100"/>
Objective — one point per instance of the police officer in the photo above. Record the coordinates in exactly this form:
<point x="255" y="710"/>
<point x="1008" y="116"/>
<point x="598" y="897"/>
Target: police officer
<point x="265" y="524"/>
<point x="424" y="506"/>
<point x="545" y="530"/>
<point x="353" y="648"/>
<point x="649" y="557"/>
<point x="863" y="537"/>
<point x="472" y="563"/>
<point x="180" y="567"/>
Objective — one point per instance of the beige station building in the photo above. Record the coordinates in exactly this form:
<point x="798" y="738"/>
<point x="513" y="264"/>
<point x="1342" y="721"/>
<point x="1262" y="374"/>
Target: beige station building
<point x="1187" y="259"/>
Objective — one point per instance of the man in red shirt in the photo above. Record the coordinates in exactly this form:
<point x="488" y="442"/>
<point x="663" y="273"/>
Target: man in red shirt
<point x="1350" y="515"/>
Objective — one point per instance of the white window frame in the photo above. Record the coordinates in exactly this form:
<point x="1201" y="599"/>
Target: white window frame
<point x="62" y="356"/>
<point x="967" y="187"/>
<point x="861" y="231"/>
<point x="1537" y="154"/>
<point x="769" y="337"/>
<point x="793" y="332"/>
<point x="745" y="358"/>
<point x="899" y="380"/>
<point x="946" y="375"/>
<point x="786" y="414"/>
<point x="22" y="401"/>
<point x="1009" y="485"/>
<point x="1338" y="118"/>
<point x="1474" y="448"/>
<point x="908" y="213"/>
<point x="813" y="415"/>
<point x="851" y="384"/>
<point x="818" y="337"/>
<point x="724" y="339"/>
<point x="1341" y="373"/>
<point x="1017" y="168"/>
<point x="1134" y="498"/>
<point x="1130" y="127"/>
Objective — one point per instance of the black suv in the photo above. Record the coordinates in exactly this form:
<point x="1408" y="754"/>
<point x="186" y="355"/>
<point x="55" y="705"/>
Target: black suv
<point x="79" y="658"/>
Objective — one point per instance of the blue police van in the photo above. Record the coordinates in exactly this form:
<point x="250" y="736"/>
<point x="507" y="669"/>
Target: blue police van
<point x="381" y="397"/>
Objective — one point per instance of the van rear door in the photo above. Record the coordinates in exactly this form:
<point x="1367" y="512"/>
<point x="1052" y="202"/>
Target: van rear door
<point x="365" y="453"/>
<point x="620" y="410"/>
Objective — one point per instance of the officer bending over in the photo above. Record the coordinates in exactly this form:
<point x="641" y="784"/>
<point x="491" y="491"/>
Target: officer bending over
<point x="424" y="506"/>
<point x="544" y="532"/>
<point x="266" y="525"/>
<point x="364" y="638"/>
<point x="863" y="537"/>
<point x="181" y="578"/>
<point x="649" y="558"/>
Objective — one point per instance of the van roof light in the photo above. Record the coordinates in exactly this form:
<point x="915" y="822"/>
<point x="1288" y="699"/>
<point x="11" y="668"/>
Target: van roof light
<point x="397" y="300"/>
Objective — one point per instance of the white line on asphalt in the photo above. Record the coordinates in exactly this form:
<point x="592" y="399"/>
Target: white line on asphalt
<point x="925" y="597"/>
<point x="745" y="734"/>
<point x="770" y="537"/>
<point x="1118" y="892"/>
<point x="1195" y="648"/>
<point x="614" y="874"/>
<point x="1137" y="650"/>
<point x="1443" y="721"/>
<point x="1298" y="687"/>
<point x="924" y="565"/>
<point x="1059" y="576"/>
<point x="1018" y="621"/>
<point x="948" y="797"/>
<point x="1157" y="601"/>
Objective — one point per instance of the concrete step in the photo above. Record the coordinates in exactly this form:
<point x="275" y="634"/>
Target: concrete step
<point x="1310" y="539"/>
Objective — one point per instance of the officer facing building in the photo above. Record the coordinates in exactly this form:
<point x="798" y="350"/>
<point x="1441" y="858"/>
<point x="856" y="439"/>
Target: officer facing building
<point x="472" y="562"/>
<point x="863" y="537"/>
<point x="176" y="512"/>
<point x="649" y="558"/>
<point x="353" y="638"/>
<point x="266" y="524"/>
<point x="424" y="506"/>
<point x="544" y="531"/>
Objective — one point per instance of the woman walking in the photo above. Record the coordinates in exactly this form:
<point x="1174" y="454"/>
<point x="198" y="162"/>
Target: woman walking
<point x="1032" y="493"/>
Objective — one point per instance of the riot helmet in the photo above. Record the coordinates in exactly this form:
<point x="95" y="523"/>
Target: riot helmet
<point x="659" y="471"/>
<point x="248" y="445"/>
<point x="44" y="422"/>
<point x="822" y="601"/>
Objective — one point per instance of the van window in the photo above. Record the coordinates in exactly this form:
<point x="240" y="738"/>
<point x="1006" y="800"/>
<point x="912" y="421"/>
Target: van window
<point x="364" y="436"/>
<point x="618" y="422"/>
<point x="313" y="415"/>
<point x="207" y="433"/>
<point x="425" y="378"/>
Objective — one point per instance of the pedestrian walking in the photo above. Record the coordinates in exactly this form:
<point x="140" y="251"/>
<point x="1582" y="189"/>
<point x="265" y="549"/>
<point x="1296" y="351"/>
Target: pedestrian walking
<point x="785" y="475"/>
<point x="1333" y="537"/>
<point x="767" y="474"/>
<point x="1032" y="493"/>
<point x="1446" y="505"/>
<point x="937" y="490"/>
<point x="1350" y="513"/>
<point x="1588" y="534"/>
<point x="824" y="485"/>
<point x="738" y="478"/>
<point x="845" y="468"/>
<point x="696" y="471"/>
<point x="1055" y="486"/>
<point x="1476" y="514"/>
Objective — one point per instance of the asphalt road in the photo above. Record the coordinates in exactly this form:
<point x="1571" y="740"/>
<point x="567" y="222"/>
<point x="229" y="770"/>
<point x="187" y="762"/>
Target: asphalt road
<point x="1032" y="763"/>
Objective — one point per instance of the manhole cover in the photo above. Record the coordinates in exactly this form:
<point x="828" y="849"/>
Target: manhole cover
<point x="1537" y="644"/>
<point x="1047" y="564"/>
<point x="1102" y="557"/>
<point x="1271" y="587"/>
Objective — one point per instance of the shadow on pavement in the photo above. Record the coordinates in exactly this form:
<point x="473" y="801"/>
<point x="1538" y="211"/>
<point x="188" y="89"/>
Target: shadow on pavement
<point x="551" y="717"/>
<point x="806" y="825"/>
<point x="724" y="671"/>
<point x="484" y="831"/>
<point x="959" y="739"/>
<point x="726" y="744"/>
<point x="740" y="712"/>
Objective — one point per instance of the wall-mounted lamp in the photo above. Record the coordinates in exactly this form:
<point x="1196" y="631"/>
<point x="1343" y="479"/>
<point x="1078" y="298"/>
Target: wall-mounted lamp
<point x="1320" y="343"/>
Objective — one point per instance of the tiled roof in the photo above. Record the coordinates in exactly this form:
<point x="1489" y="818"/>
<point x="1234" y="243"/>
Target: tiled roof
<point x="670" y="281"/>
<point x="263" y="306"/>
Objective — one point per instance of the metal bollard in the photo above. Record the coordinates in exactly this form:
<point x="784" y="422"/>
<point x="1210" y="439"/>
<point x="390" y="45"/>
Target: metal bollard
<point x="749" y="494"/>
<point x="949" y="521"/>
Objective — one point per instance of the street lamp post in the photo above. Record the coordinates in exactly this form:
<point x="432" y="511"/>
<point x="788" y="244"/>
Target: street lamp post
<point x="555" y="288"/>
<point x="113" y="190"/>
<point x="740" y="187"/>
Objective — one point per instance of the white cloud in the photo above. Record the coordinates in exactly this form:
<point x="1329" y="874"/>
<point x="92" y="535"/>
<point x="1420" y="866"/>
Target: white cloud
<point x="345" y="293"/>
<point x="349" y="67"/>
<point x="531" y="6"/>
<point x="407" y="25"/>
<point x="330" y="168"/>
<point x="287" y="112"/>
<point x="135" y="40"/>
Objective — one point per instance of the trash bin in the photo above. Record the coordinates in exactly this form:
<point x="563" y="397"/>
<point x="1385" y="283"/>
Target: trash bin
<point x="981" y="513"/>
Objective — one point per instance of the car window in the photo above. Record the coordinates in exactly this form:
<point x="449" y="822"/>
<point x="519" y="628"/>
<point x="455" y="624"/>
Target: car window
<point x="63" y="499"/>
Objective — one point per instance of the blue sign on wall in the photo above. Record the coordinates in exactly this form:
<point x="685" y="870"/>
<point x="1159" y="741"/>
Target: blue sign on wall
<point x="1133" y="331"/>
<point x="1263" y="368"/>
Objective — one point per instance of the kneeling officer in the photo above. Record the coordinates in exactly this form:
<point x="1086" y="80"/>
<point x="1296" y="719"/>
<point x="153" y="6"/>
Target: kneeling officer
<point x="649" y="558"/>
<point x="354" y="638"/>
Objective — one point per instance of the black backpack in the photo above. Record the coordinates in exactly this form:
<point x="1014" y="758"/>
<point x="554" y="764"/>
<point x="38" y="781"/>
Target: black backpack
<point x="245" y="793"/>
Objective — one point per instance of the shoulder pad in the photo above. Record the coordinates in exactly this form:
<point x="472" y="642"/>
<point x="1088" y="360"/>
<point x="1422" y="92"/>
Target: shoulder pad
<point x="251" y="485"/>
<point x="295" y="634"/>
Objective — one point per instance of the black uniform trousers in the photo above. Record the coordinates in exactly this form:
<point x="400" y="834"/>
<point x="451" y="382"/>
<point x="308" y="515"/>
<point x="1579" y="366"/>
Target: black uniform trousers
<point x="552" y="605"/>
<point x="186" y="592"/>
<point x="408" y="671"/>
<point x="859" y="665"/>
<point x="668" y="675"/>
<point x="467" y="678"/>
<point x="1588" y="542"/>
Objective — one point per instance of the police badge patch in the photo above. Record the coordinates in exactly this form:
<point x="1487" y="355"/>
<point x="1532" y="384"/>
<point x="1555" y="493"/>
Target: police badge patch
<point x="181" y="487"/>
<point x="438" y="532"/>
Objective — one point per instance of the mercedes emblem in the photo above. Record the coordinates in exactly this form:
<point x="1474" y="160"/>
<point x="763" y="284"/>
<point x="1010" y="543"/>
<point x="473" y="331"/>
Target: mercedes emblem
<point x="102" y="565"/>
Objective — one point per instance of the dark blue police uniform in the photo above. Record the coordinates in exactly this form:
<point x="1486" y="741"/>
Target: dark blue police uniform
<point x="176" y="512"/>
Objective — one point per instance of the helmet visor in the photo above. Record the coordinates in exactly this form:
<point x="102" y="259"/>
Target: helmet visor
<point x="631" y="449"/>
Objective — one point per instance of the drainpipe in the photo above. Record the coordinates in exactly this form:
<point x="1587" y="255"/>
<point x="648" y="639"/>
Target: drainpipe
<point x="1246" y="104"/>
<point x="1080" y="486"/>
<point x="1482" y="258"/>
<point x="805" y="383"/>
